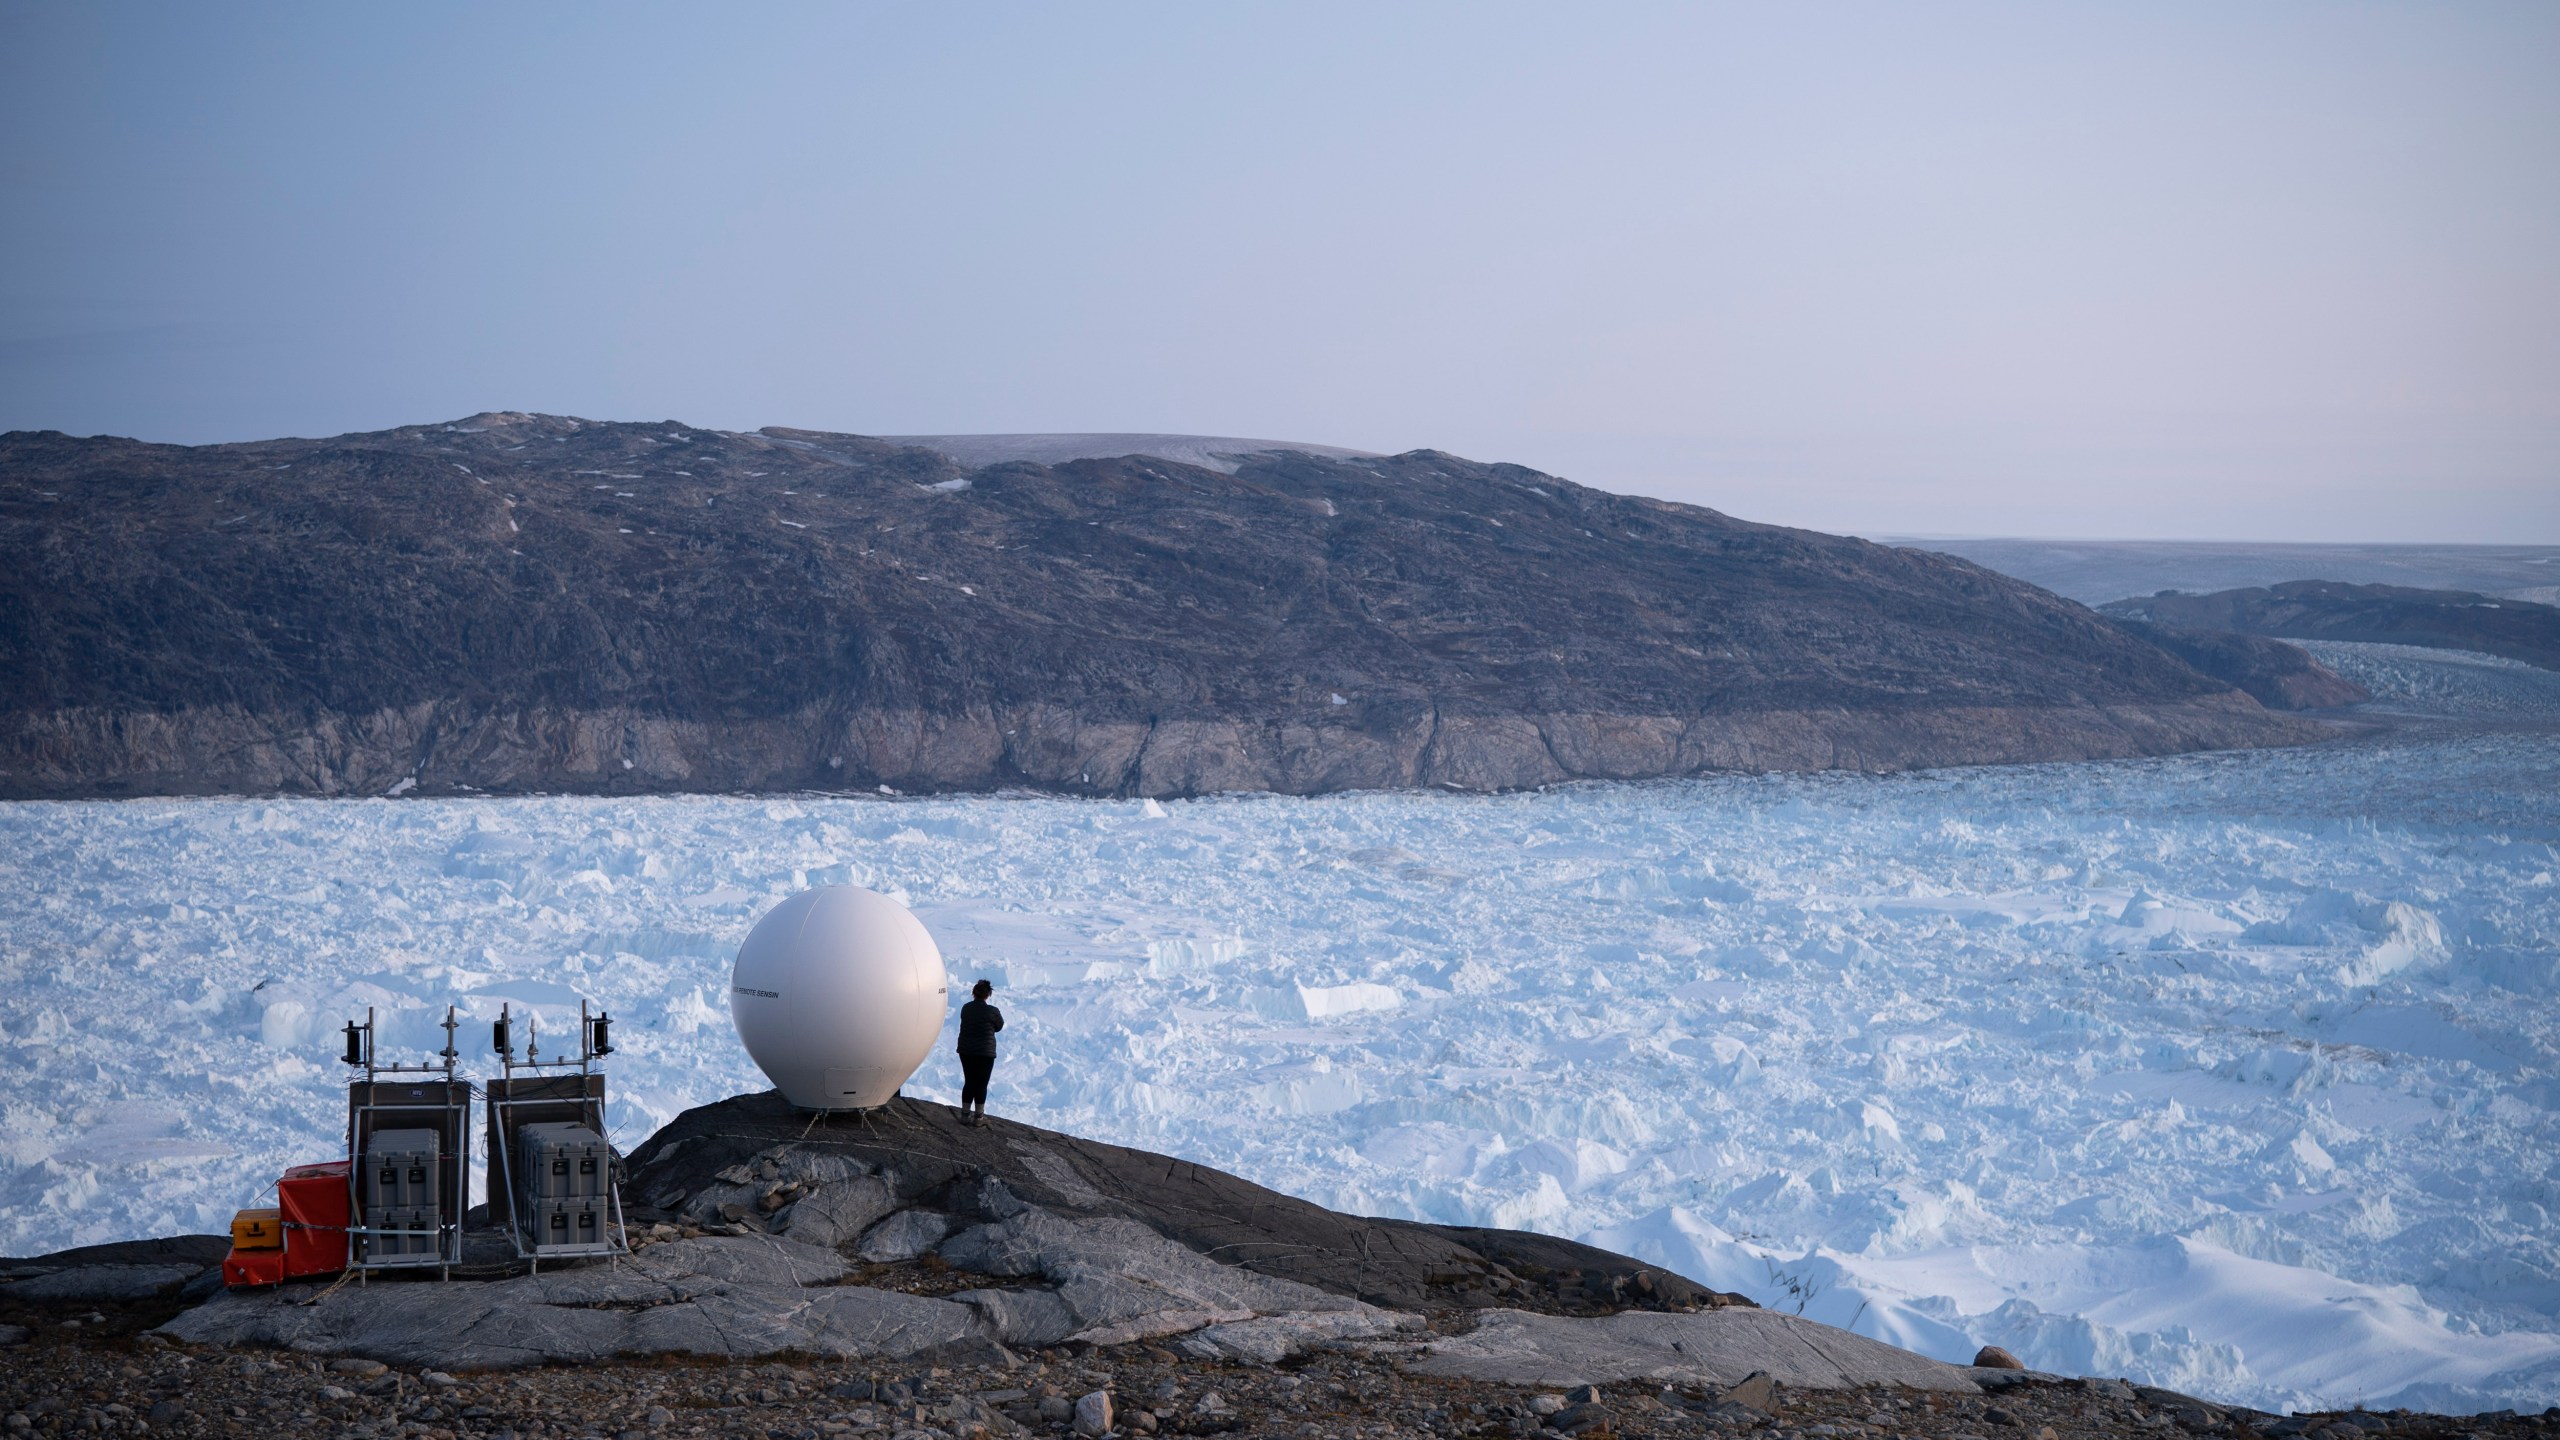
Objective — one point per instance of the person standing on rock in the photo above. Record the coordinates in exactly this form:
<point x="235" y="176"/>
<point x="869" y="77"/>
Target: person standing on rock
<point x="979" y="1022"/>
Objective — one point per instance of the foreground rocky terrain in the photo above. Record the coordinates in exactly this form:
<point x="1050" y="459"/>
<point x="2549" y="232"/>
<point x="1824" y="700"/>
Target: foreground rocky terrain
<point x="71" y="1386"/>
<point x="77" y="1367"/>
<point x="532" y="603"/>
<point x="901" y="1234"/>
<point x="899" y="1275"/>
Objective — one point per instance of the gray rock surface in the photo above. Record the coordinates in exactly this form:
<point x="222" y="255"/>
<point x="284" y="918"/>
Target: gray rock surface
<point x="1716" y="1347"/>
<point x="904" y="1236"/>
<point x="1110" y="1281"/>
<point x="729" y="1296"/>
<point x="739" y="1297"/>
<point x="1268" y="1340"/>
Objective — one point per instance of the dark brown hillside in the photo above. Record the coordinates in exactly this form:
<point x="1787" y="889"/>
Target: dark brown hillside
<point x="2276" y="675"/>
<point x="533" y="603"/>
<point x="2375" y="614"/>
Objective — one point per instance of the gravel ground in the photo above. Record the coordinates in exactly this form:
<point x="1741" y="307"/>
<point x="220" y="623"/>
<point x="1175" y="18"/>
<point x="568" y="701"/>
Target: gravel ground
<point x="90" y="1371"/>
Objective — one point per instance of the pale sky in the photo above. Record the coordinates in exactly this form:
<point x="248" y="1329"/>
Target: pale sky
<point x="2273" y="271"/>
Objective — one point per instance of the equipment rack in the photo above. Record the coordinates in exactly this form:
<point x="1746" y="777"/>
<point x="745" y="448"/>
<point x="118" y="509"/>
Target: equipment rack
<point x="385" y="1100"/>
<point x="534" y="1090"/>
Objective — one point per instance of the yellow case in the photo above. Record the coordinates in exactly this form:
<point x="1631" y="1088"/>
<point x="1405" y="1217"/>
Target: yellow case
<point x="257" y="1230"/>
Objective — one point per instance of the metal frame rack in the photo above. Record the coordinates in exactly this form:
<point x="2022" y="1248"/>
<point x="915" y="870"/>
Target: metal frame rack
<point x="534" y="1091"/>
<point x="395" y="1097"/>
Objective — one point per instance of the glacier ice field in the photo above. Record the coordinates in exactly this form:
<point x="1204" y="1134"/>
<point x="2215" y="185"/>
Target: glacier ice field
<point x="2233" y="1072"/>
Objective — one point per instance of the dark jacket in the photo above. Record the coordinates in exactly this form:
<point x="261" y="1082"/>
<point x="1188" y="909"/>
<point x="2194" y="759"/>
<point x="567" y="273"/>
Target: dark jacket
<point x="979" y="1022"/>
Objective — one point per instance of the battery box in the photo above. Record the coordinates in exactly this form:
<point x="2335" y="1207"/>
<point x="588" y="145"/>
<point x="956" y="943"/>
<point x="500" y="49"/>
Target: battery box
<point x="562" y="1161"/>
<point x="257" y="1229"/>
<point x="401" y="1169"/>
<point x="565" y="1224"/>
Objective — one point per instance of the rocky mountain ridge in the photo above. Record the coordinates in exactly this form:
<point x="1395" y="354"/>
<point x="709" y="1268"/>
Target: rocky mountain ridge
<point x="2375" y="614"/>
<point x="533" y="603"/>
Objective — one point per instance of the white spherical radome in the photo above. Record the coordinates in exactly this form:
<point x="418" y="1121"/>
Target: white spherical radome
<point x="838" y="994"/>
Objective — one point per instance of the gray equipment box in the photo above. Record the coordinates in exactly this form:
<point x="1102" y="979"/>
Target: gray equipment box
<point x="401" y="1170"/>
<point x="562" y="1161"/>
<point x="566" y="1224"/>
<point x="403" y="1232"/>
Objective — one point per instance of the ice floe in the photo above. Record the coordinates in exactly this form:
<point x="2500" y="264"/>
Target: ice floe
<point x="2230" y="1072"/>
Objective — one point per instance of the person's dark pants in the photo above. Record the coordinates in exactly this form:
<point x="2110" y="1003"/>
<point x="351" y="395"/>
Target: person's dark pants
<point x="974" y="1070"/>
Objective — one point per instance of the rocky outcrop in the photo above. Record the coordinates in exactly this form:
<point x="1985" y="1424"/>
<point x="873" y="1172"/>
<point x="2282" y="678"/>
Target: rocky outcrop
<point x="2378" y="614"/>
<point x="123" y="1272"/>
<point x="902" y="1235"/>
<point x="528" y="603"/>
<point x="892" y="1183"/>
<point x="746" y="1297"/>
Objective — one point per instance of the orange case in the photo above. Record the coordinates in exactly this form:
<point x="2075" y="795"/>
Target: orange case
<point x="244" y="1268"/>
<point x="314" y="1200"/>
<point x="257" y="1230"/>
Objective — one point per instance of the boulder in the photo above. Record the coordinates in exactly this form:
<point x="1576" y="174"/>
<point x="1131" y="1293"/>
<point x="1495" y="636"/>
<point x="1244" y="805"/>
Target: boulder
<point x="838" y="1213"/>
<point x="1579" y="1419"/>
<point x="1756" y="1390"/>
